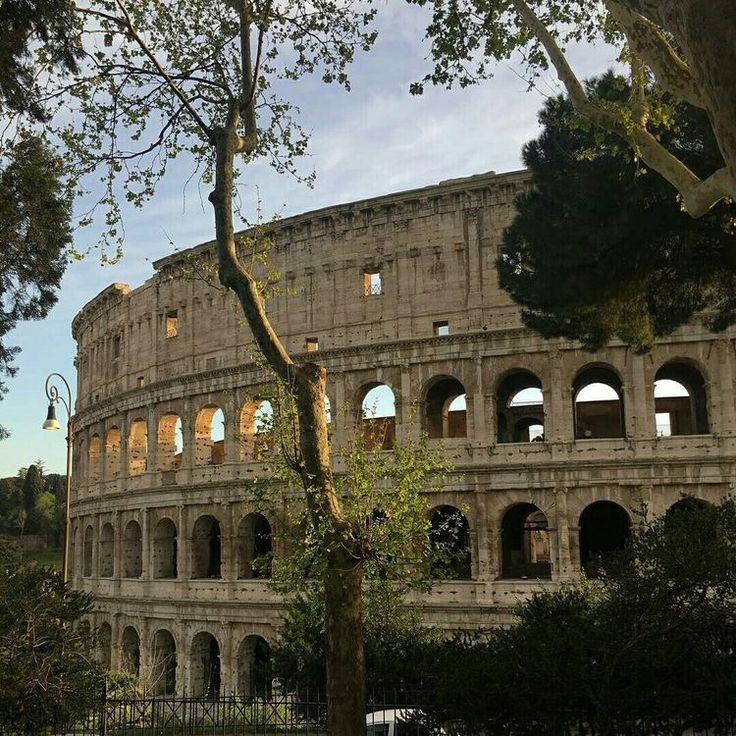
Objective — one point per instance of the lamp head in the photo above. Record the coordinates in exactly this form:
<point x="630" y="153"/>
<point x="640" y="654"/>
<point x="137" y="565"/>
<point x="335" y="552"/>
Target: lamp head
<point x="51" y="421"/>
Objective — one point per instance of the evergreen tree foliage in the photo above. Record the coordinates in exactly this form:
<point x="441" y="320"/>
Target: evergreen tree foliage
<point x="32" y="487"/>
<point x="48" y="675"/>
<point x="35" y="230"/>
<point x="600" y="247"/>
<point x="646" y="649"/>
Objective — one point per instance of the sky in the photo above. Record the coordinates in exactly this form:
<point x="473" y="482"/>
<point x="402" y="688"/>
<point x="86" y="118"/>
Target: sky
<point x="373" y="140"/>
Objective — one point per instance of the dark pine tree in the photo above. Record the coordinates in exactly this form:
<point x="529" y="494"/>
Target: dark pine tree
<point x="600" y="248"/>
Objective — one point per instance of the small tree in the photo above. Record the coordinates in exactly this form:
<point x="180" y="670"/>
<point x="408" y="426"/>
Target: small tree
<point x="48" y="675"/>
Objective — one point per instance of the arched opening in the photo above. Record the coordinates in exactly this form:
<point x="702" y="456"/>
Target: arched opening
<point x="106" y="559"/>
<point x="445" y="409"/>
<point x="209" y="436"/>
<point x="686" y="504"/>
<point x="94" y="454"/>
<point x="104" y="645"/>
<point x="525" y="543"/>
<point x="255" y="547"/>
<point x="449" y="539"/>
<point x="169" y="442"/>
<point x="378" y="411"/>
<point x="254" y="667"/>
<point x="604" y="527"/>
<point x="163" y="667"/>
<point x="598" y="404"/>
<point x="130" y="651"/>
<point x="680" y="402"/>
<point x="256" y="429"/>
<point x="520" y="408"/>
<point x="138" y="447"/>
<point x="164" y="550"/>
<point x="89" y="542"/>
<point x="112" y="453"/>
<point x="328" y="409"/>
<point x="132" y="550"/>
<point x="205" y="666"/>
<point x="206" y="548"/>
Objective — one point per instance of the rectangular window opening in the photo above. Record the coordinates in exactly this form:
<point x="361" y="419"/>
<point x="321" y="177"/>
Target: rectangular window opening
<point x="172" y="324"/>
<point x="372" y="285"/>
<point x="312" y="345"/>
<point x="116" y="346"/>
<point x="141" y="381"/>
<point x="441" y="328"/>
<point x="664" y="424"/>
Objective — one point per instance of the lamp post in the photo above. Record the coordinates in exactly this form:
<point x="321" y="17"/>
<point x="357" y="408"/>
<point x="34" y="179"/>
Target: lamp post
<point x="52" y="423"/>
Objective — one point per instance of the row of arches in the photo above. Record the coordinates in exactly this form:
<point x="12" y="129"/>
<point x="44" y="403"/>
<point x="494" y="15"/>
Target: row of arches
<point x="598" y="405"/>
<point x="254" y="549"/>
<point x="159" y="667"/>
<point x="524" y="544"/>
<point x="208" y="441"/>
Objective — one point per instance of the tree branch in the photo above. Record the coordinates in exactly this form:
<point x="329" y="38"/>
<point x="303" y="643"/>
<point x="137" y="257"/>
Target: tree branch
<point x="127" y="23"/>
<point x="698" y="196"/>
<point x="647" y="41"/>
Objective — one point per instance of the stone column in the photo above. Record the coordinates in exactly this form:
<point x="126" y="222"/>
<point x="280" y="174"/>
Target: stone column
<point x="183" y="544"/>
<point x="563" y="559"/>
<point x="476" y="417"/>
<point x="406" y="427"/>
<point x="639" y="402"/>
<point x="152" y="440"/>
<point x="96" y="525"/>
<point x="145" y="544"/>
<point x="227" y="567"/>
<point x="115" y="634"/>
<point x="726" y="390"/>
<point x="483" y="535"/>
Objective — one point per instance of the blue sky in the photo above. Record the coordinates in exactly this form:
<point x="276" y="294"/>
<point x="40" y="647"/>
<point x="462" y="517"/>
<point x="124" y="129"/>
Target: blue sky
<point x="374" y="140"/>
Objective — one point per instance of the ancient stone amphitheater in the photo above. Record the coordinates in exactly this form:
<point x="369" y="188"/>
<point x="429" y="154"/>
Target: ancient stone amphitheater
<point x="556" y="450"/>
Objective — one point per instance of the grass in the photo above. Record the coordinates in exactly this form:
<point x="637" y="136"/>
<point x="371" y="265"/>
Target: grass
<point x="46" y="557"/>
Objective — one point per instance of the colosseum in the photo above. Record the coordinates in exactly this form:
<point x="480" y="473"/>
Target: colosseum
<point x="555" y="449"/>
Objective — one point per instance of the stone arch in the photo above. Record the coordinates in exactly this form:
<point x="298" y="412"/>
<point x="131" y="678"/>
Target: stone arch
<point x="378" y="415"/>
<point x="209" y="436"/>
<point x="106" y="552"/>
<point x="680" y="401"/>
<point x="104" y="644"/>
<point x="138" y="447"/>
<point x="205" y="666"/>
<point x="686" y="504"/>
<point x="449" y="538"/>
<point x="169" y="441"/>
<point x="256" y="429"/>
<point x="525" y="543"/>
<point x="604" y="527"/>
<point x="112" y="452"/>
<point x="94" y="459"/>
<point x="519" y="408"/>
<point x="163" y="664"/>
<point x="165" y="550"/>
<point x="132" y="562"/>
<point x="445" y="411"/>
<point x="254" y="667"/>
<point x="88" y="544"/>
<point x="598" y="403"/>
<point x="255" y="545"/>
<point x="130" y="651"/>
<point x="206" y="548"/>
<point x="80" y="461"/>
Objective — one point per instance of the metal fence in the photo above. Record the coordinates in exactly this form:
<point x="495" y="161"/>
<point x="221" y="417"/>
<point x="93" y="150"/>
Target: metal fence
<point x="234" y="715"/>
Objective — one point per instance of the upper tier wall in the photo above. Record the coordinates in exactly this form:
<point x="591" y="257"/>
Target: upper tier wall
<point x="433" y="248"/>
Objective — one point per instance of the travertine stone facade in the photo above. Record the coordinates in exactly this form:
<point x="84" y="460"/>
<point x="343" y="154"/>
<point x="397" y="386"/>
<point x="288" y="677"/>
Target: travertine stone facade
<point x="401" y="291"/>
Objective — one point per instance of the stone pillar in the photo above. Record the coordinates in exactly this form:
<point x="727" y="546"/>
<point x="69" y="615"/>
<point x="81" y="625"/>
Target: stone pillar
<point x="145" y="545"/>
<point x="639" y="402"/>
<point x="96" y="525"/>
<point x="483" y="536"/>
<point x="407" y="428"/>
<point x="558" y="407"/>
<point x="562" y="558"/>
<point x="726" y="391"/>
<point x="117" y="548"/>
<point x="228" y="569"/>
<point x="115" y="634"/>
<point x="476" y="416"/>
<point x="228" y="659"/>
<point x="187" y="430"/>
<point x="152" y="439"/>
<point x="232" y="429"/>
<point x="124" y="429"/>
<point x="475" y="267"/>
<point x="183" y="544"/>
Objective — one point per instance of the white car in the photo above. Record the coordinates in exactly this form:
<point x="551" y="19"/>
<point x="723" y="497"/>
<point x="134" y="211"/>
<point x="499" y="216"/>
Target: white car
<point x="395" y="722"/>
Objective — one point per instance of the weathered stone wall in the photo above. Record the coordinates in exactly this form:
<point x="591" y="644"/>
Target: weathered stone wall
<point x="435" y="250"/>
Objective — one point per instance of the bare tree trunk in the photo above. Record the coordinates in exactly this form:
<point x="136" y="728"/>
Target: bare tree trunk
<point x="345" y="655"/>
<point x="307" y="383"/>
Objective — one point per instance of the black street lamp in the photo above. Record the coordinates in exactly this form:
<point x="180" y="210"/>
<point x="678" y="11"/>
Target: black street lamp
<point x="52" y="423"/>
